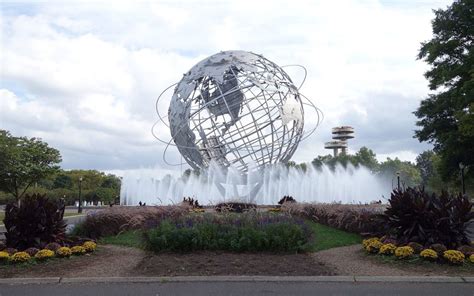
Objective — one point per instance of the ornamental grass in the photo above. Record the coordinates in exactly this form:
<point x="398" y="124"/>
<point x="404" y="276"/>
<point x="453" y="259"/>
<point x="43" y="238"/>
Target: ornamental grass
<point x="112" y="221"/>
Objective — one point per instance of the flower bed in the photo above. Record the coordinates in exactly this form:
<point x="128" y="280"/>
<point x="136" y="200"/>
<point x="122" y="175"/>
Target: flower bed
<point x="230" y="232"/>
<point x="361" y="219"/>
<point x="376" y="246"/>
<point x="112" y="221"/>
<point x="45" y="254"/>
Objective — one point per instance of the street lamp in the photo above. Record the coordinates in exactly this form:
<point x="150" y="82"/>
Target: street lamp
<point x="463" y="186"/>
<point x="79" y="210"/>
<point x="398" y="181"/>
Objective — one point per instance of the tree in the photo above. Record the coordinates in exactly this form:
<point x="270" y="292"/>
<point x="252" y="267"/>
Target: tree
<point x="62" y="181"/>
<point x="446" y="117"/>
<point x="409" y="174"/>
<point x="23" y="162"/>
<point x="366" y="157"/>
<point x="424" y="163"/>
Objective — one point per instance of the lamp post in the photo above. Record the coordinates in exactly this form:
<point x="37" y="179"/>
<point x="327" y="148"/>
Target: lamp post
<point x="79" y="209"/>
<point x="463" y="186"/>
<point x="398" y="181"/>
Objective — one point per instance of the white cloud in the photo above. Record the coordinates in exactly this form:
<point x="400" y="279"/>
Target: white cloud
<point x="85" y="75"/>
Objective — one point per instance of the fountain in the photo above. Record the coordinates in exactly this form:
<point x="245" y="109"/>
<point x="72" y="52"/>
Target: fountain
<point x="344" y="185"/>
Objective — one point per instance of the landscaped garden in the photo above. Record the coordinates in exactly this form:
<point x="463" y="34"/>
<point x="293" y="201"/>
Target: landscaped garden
<point x="416" y="233"/>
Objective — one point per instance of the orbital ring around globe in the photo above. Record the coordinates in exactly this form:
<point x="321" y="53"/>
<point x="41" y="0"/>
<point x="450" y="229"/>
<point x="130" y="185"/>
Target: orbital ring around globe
<point x="236" y="107"/>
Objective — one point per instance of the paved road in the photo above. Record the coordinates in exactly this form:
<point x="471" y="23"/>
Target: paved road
<point x="240" y="288"/>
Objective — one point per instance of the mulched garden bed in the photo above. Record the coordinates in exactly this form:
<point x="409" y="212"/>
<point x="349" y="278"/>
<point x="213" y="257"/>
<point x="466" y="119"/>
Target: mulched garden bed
<point x="110" y="261"/>
<point x="225" y="263"/>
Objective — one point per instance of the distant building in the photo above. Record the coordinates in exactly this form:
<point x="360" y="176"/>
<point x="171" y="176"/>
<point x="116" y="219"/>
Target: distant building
<point x="340" y="136"/>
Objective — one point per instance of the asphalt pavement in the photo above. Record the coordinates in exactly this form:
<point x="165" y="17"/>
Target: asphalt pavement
<point x="241" y="288"/>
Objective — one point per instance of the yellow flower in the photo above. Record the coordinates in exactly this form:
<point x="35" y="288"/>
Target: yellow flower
<point x="374" y="246"/>
<point x="404" y="252"/>
<point x="387" y="249"/>
<point x="78" y="250"/>
<point x="429" y="254"/>
<point x="64" y="252"/>
<point x="44" y="254"/>
<point x="4" y="256"/>
<point x="454" y="257"/>
<point x="20" y="257"/>
<point x="471" y="258"/>
<point x="89" y="246"/>
<point x="274" y="210"/>
<point x="366" y="242"/>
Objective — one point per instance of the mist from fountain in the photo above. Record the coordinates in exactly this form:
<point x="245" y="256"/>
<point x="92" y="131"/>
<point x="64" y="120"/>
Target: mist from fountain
<point x="323" y="185"/>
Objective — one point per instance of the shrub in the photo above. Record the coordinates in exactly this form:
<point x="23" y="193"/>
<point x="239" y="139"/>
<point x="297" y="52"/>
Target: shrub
<point x="362" y="219"/>
<point x="64" y="252"/>
<point x="466" y="250"/>
<point x="387" y="249"/>
<point x="78" y="250"/>
<point x="44" y="254"/>
<point x="414" y="215"/>
<point x="454" y="257"/>
<point x="20" y="257"/>
<point x="37" y="221"/>
<point x="439" y="248"/>
<point x="32" y="251"/>
<point x="235" y="207"/>
<point x="52" y="246"/>
<point x="4" y="256"/>
<point x="238" y="233"/>
<point x="417" y="248"/>
<point x="404" y="252"/>
<point x="429" y="254"/>
<point x="286" y="199"/>
<point x="112" y="221"/>
<point x="373" y="246"/>
<point x="89" y="246"/>
<point x="10" y="251"/>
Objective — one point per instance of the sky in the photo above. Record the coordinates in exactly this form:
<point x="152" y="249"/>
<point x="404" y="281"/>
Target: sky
<point x="84" y="75"/>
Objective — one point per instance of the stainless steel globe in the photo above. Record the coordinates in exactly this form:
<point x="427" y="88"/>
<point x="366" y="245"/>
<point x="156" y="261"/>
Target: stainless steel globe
<point x="238" y="109"/>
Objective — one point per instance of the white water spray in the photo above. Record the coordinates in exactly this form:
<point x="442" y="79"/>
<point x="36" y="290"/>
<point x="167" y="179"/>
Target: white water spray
<point x="344" y="185"/>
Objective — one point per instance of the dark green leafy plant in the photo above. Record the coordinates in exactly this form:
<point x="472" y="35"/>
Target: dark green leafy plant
<point x="237" y="233"/>
<point x="35" y="223"/>
<point x="414" y="215"/>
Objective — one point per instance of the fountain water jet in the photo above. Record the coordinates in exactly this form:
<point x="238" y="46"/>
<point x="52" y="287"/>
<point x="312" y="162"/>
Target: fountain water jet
<point x="344" y="185"/>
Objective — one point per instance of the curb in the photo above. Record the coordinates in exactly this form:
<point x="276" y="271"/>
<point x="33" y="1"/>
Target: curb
<point x="315" y="279"/>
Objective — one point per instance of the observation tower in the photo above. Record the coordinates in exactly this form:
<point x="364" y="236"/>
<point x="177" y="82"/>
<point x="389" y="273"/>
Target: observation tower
<point x="340" y="135"/>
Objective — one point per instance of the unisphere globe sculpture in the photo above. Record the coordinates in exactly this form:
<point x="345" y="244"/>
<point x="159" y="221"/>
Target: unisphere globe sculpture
<point x="237" y="109"/>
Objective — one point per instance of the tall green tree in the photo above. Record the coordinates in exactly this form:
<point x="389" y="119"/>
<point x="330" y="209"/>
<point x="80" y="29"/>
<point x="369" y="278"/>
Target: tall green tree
<point x="446" y="117"/>
<point x="409" y="174"/>
<point x="24" y="161"/>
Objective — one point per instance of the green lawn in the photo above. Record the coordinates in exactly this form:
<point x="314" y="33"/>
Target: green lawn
<point x="324" y="238"/>
<point x="128" y="239"/>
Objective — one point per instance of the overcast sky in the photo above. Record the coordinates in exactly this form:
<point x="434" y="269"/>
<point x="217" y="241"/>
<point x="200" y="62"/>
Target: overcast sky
<point x="84" y="76"/>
